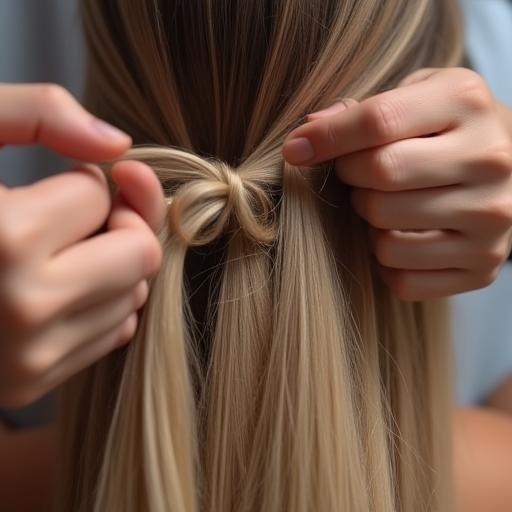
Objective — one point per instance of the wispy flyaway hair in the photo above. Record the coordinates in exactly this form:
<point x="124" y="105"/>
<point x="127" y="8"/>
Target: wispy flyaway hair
<point x="271" y="369"/>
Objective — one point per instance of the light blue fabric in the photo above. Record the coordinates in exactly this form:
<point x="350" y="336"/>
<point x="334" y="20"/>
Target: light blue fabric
<point x="483" y="338"/>
<point x="489" y="42"/>
<point x="483" y="319"/>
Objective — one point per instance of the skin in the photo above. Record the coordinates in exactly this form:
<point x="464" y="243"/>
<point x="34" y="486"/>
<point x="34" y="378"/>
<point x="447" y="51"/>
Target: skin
<point x="28" y="475"/>
<point x="483" y="460"/>
<point x="430" y="164"/>
<point x="458" y="190"/>
<point x="501" y="397"/>
<point x="67" y="298"/>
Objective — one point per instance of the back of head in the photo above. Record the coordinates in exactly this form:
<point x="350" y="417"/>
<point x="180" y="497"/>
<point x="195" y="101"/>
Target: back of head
<point x="271" y="369"/>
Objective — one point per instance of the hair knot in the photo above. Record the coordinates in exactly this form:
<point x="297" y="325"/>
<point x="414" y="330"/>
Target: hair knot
<point x="209" y="198"/>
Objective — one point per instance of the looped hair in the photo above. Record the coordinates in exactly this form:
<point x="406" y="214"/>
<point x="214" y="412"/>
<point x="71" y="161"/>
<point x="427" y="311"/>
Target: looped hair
<point x="208" y="197"/>
<point x="278" y="379"/>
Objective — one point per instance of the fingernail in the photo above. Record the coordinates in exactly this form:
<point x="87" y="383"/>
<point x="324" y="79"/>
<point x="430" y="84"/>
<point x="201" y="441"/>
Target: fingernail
<point x="299" y="151"/>
<point x="109" y="131"/>
<point x="336" y="108"/>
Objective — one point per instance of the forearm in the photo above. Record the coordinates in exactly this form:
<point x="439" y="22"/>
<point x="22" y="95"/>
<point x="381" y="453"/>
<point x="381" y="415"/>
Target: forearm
<point x="483" y="460"/>
<point x="27" y="468"/>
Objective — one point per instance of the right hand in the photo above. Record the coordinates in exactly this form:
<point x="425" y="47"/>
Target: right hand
<point x="68" y="298"/>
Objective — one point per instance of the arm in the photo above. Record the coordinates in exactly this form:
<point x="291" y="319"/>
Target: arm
<point x="483" y="460"/>
<point x="27" y="468"/>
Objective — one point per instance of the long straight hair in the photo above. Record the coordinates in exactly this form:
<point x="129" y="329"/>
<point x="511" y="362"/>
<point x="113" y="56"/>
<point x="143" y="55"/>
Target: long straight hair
<point x="271" y="369"/>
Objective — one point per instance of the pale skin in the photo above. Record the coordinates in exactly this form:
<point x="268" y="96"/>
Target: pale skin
<point x="434" y="156"/>
<point x="455" y="186"/>
<point x="66" y="298"/>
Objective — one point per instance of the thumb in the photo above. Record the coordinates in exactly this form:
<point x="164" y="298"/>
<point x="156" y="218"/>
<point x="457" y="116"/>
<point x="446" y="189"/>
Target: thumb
<point x="140" y="190"/>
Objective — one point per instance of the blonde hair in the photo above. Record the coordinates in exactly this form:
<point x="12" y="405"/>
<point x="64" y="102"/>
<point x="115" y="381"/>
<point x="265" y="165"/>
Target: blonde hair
<point x="271" y="369"/>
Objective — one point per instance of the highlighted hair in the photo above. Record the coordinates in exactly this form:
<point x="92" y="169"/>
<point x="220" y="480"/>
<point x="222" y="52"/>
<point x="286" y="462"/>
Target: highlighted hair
<point x="271" y="369"/>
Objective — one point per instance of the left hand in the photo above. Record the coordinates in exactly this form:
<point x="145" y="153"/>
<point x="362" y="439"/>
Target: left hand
<point x="431" y="167"/>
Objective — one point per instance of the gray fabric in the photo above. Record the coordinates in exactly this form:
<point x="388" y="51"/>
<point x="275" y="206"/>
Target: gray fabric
<point x="483" y="342"/>
<point x="482" y="319"/>
<point x="40" y="41"/>
<point x="489" y="40"/>
<point x="40" y="413"/>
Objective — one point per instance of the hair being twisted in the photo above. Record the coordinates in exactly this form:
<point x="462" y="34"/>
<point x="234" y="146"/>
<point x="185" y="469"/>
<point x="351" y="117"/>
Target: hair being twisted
<point x="311" y="388"/>
<point x="208" y="197"/>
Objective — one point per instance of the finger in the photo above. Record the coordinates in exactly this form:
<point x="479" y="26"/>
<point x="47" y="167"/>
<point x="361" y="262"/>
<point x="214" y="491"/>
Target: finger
<point x="141" y="189"/>
<point x="47" y="114"/>
<point x="336" y="108"/>
<point x="438" y="208"/>
<point x="96" y="349"/>
<point x="429" y="250"/>
<point x="123" y="217"/>
<point x="69" y="334"/>
<point x="89" y="353"/>
<point x="58" y="211"/>
<point x="415" y="110"/>
<point x="416" y="285"/>
<point x="419" y="76"/>
<point x="101" y="267"/>
<point x="104" y="317"/>
<point x="407" y="165"/>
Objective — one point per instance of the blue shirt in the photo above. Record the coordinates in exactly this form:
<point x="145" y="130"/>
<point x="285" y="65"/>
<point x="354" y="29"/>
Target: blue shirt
<point x="483" y="318"/>
<point x="489" y="42"/>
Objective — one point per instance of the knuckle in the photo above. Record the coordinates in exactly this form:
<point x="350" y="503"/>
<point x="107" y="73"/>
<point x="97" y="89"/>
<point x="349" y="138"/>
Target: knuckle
<point x="140" y="294"/>
<point x="17" y="238"/>
<point x="498" y="160"/>
<point x="493" y="257"/>
<point x="384" y="251"/>
<point x="52" y="94"/>
<point x="499" y="213"/>
<point x="473" y="93"/>
<point x="97" y="175"/>
<point x="35" y="363"/>
<point x="374" y="211"/>
<point x="152" y="254"/>
<point x="485" y="279"/>
<point x="25" y="311"/>
<point x="128" y="328"/>
<point x="387" y="169"/>
<point x="331" y="135"/>
<point x="382" y="120"/>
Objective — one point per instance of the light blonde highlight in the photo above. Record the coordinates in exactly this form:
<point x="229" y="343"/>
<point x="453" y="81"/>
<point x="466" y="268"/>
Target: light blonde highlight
<point x="295" y="384"/>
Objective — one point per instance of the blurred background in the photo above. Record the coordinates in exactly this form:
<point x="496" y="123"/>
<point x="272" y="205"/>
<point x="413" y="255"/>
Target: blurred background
<point x="41" y="41"/>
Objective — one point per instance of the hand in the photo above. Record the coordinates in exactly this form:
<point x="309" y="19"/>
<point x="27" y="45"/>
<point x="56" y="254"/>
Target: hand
<point x="431" y="167"/>
<point x="68" y="298"/>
